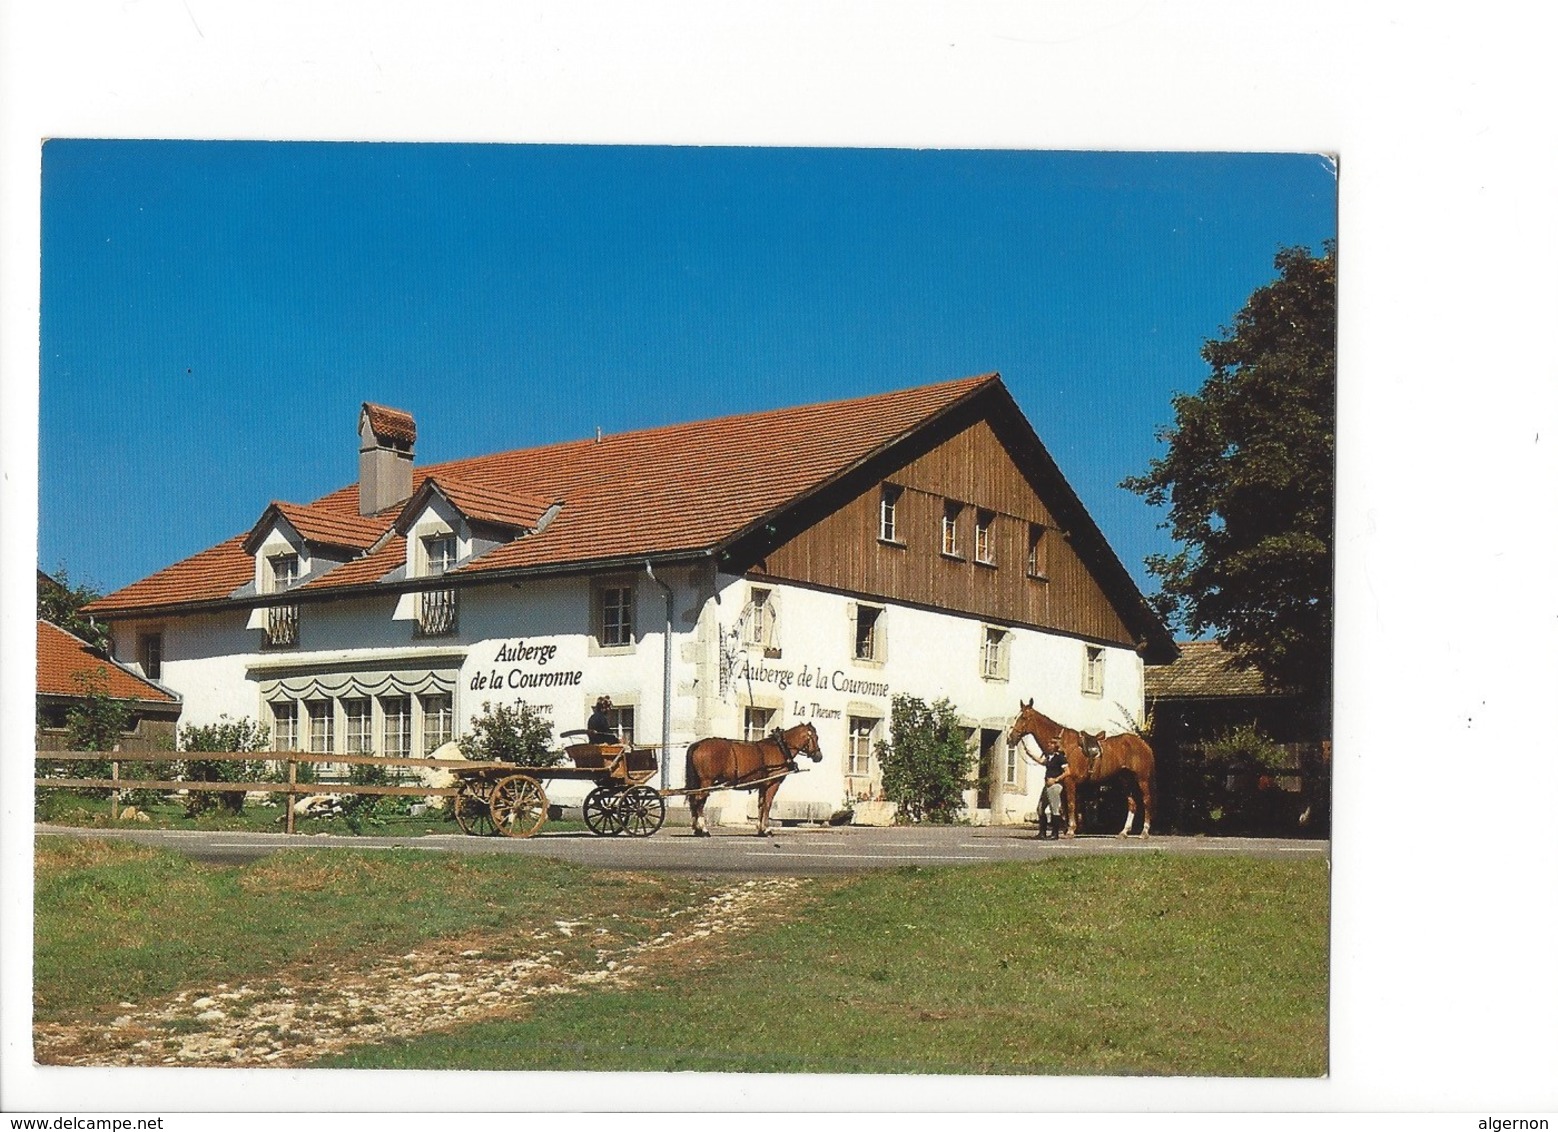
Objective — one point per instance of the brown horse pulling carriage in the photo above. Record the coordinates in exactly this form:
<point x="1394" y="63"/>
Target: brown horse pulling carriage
<point x="511" y="800"/>
<point x="1090" y="758"/>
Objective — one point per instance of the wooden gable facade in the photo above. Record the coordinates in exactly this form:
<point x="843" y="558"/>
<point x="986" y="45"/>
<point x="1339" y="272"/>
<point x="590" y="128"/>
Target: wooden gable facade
<point x="964" y="462"/>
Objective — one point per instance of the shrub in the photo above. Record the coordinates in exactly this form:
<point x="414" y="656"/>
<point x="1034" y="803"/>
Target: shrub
<point x="240" y="736"/>
<point x="520" y="734"/>
<point x="925" y="768"/>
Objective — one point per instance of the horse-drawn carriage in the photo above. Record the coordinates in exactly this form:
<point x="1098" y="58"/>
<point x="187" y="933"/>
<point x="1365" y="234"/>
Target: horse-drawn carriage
<point x="511" y="800"/>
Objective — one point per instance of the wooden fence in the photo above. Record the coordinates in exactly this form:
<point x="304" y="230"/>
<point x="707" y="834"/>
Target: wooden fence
<point x="292" y="788"/>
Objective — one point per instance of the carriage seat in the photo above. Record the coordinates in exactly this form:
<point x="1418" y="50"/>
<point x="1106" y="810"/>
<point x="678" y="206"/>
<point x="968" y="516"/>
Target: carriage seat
<point x="594" y="756"/>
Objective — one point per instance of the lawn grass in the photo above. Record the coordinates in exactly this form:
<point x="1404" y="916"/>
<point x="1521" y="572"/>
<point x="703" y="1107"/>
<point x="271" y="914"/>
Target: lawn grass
<point x="1142" y="966"/>
<point x="118" y="922"/>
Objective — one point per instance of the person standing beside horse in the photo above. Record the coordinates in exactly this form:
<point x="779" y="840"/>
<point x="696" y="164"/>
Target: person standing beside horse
<point x="1053" y="761"/>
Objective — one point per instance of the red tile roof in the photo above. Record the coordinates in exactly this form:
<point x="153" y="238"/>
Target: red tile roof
<point x="321" y="527"/>
<point x="516" y="509"/>
<point x="680" y="488"/>
<point x="391" y="424"/>
<point x="1204" y="670"/>
<point x="62" y="657"/>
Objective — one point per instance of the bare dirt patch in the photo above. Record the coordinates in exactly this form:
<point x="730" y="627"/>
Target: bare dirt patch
<point x="439" y="985"/>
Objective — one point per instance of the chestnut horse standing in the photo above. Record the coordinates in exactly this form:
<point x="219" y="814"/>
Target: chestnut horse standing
<point x="736" y="764"/>
<point x="1125" y="756"/>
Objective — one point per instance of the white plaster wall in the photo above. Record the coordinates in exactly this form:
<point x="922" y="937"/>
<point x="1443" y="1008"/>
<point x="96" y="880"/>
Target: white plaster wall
<point x="512" y="636"/>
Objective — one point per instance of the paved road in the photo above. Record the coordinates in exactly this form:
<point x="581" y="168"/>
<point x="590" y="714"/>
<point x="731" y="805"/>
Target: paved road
<point x="797" y="851"/>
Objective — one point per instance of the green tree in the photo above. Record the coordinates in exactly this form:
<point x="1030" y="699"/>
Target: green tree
<point x="925" y="768"/>
<point x="237" y="736"/>
<point x="521" y="734"/>
<point x="1249" y="480"/>
<point x="60" y="603"/>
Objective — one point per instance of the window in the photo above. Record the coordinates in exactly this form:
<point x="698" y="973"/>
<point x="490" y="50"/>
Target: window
<point x="620" y="720"/>
<point x="397" y="725"/>
<point x="870" y="639"/>
<point x="996" y="649"/>
<point x="1036" y="551"/>
<point x="283" y="569"/>
<point x="359" y="726"/>
<point x="150" y="652"/>
<point x="438" y="613"/>
<point x="1009" y="777"/>
<point x="439" y="553"/>
<point x="762" y="622"/>
<point x="861" y="733"/>
<point x="950" y="515"/>
<point x="437" y="722"/>
<point x="984" y="546"/>
<point x="614" y="605"/>
<point x="758" y="723"/>
<point x="889" y="526"/>
<point x="284" y="725"/>
<point x="1093" y="671"/>
<point x="321" y="726"/>
<point x="281" y="626"/>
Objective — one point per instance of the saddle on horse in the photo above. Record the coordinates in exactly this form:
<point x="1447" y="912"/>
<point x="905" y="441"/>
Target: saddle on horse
<point x="1093" y="749"/>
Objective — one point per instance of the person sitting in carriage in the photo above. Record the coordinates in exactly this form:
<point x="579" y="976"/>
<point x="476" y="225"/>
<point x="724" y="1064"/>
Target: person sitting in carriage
<point x="599" y="726"/>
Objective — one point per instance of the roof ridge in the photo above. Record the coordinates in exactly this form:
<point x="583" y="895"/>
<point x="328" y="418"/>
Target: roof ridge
<point x="972" y="382"/>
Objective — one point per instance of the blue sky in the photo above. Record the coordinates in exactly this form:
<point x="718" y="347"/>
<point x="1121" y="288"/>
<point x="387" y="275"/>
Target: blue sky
<point x="213" y="313"/>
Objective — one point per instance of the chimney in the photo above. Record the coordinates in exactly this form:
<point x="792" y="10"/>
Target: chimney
<point x="388" y="439"/>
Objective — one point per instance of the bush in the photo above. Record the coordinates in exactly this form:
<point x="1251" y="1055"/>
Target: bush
<point x="925" y="768"/>
<point x="239" y="736"/>
<point x="521" y="734"/>
<point x="97" y="723"/>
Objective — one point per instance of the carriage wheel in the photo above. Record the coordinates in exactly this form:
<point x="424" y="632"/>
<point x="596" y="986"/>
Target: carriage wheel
<point x="518" y="806"/>
<point x="603" y="811"/>
<point x="473" y="814"/>
<point x="643" y="811"/>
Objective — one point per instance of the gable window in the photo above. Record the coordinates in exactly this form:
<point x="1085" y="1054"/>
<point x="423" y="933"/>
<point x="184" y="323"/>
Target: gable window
<point x="284" y="725"/>
<point x="870" y="633"/>
<point x="888" y="530"/>
<point x="984" y="544"/>
<point x="1093" y="671"/>
<point x="762" y="623"/>
<point x="1036" y="551"/>
<point x="437" y="610"/>
<point x="149" y="652"/>
<point x="283" y="570"/>
<point x="614" y="613"/>
<point x="758" y="722"/>
<point x="439" y="553"/>
<point x="437" y="722"/>
<point x="951" y="514"/>
<point x="994" y="655"/>
<point x="858" y="759"/>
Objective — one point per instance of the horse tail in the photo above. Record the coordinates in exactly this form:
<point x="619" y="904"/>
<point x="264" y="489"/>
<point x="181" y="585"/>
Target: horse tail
<point x="693" y="779"/>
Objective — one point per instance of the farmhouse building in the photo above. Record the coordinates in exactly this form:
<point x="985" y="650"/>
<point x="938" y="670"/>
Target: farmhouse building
<point x="722" y="577"/>
<point x="69" y="671"/>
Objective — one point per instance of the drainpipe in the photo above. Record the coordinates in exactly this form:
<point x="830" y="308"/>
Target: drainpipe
<point x="665" y="683"/>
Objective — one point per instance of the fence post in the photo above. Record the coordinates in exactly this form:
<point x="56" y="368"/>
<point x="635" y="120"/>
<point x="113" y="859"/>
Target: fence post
<point x="115" y="765"/>
<point x="292" y="780"/>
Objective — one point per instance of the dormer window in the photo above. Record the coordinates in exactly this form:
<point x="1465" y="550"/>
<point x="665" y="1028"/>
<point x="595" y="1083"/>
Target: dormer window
<point x="440" y="553"/>
<point x="283" y="571"/>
